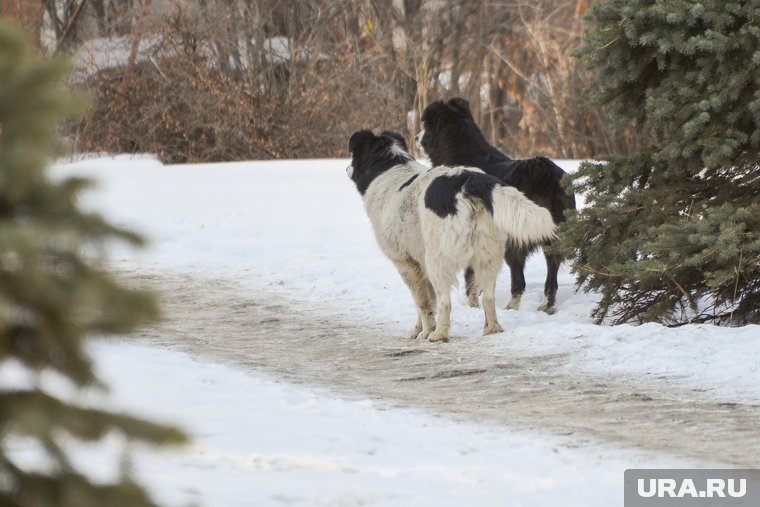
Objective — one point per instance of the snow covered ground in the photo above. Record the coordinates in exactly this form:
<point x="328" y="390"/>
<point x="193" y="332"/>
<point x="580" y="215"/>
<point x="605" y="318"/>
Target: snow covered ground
<point x="260" y="442"/>
<point x="298" y="229"/>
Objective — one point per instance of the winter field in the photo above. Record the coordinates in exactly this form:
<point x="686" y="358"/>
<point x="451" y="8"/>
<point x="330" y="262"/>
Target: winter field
<point x="281" y="352"/>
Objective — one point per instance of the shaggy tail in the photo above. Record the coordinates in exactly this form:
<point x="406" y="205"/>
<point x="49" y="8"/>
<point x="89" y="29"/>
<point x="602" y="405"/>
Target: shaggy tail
<point x="526" y="223"/>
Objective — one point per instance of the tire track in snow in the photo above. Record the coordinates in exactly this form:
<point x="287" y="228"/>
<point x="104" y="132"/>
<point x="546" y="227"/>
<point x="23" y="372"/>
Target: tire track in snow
<point x="248" y="329"/>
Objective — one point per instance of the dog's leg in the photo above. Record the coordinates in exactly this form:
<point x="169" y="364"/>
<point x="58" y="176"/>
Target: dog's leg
<point x="412" y="274"/>
<point x="487" y="280"/>
<point x="443" y="322"/>
<point x="431" y="294"/>
<point x="472" y="288"/>
<point x="442" y="277"/>
<point x="553" y="261"/>
<point x="515" y="258"/>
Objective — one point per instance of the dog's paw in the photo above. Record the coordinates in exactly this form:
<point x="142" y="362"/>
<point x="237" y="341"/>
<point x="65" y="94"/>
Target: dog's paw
<point x="473" y="300"/>
<point x="492" y="329"/>
<point x="514" y="303"/>
<point x="436" y="336"/>
<point x="547" y="308"/>
<point x="414" y="332"/>
<point x="423" y="335"/>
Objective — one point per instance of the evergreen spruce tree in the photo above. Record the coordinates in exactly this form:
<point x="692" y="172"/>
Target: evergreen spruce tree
<point x="53" y="294"/>
<point x="672" y="233"/>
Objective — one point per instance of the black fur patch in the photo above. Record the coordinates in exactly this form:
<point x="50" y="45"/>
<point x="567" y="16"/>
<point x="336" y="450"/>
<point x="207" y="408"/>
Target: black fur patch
<point x="372" y="155"/>
<point x="440" y="196"/>
<point x="398" y="137"/>
<point x="453" y="138"/>
<point x="407" y="182"/>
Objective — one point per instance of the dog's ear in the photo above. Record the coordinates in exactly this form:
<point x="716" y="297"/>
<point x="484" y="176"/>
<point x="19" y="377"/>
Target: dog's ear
<point x="396" y="137"/>
<point x="461" y="105"/>
<point x="431" y="109"/>
<point x="358" y="138"/>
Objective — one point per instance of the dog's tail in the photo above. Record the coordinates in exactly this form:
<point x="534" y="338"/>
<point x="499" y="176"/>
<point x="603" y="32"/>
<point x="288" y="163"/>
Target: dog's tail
<point x="526" y="223"/>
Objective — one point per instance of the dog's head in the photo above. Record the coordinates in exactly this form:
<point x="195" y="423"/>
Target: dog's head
<point x="443" y="124"/>
<point x="372" y="155"/>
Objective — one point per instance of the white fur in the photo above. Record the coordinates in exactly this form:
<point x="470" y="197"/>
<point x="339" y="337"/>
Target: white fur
<point x="418" y="140"/>
<point x="525" y="220"/>
<point x="429" y="251"/>
<point x="398" y="151"/>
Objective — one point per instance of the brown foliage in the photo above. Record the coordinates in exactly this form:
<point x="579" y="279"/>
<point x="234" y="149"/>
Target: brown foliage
<point x="201" y="102"/>
<point x="190" y="113"/>
<point x="241" y="79"/>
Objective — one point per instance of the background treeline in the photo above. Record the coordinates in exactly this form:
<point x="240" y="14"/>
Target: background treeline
<point x="241" y="79"/>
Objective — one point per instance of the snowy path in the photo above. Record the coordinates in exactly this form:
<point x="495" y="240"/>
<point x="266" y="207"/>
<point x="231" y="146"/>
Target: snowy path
<point x="255" y="331"/>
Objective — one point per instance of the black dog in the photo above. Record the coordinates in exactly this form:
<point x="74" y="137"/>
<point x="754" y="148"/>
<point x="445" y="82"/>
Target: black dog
<point x="451" y="137"/>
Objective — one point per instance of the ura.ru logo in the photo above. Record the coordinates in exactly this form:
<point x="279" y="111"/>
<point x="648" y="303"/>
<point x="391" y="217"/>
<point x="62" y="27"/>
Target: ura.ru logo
<point x="671" y="488"/>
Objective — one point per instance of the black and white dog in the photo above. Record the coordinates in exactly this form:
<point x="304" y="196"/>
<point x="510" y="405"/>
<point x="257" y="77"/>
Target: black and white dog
<point x="433" y="223"/>
<point x="451" y="137"/>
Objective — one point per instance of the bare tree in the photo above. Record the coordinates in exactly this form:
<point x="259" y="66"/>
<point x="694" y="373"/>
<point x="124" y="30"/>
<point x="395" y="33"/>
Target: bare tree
<point x="302" y="75"/>
<point x="71" y="22"/>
